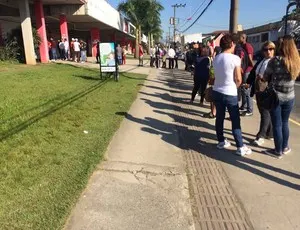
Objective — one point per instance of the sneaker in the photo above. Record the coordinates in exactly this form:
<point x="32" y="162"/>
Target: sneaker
<point x="223" y="145"/>
<point x="259" y="141"/>
<point x="242" y="151"/>
<point x="247" y="114"/>
<point x="270" y="138"/>
<point x="242" y="109"/>
<point x="273" y="153"/>
<point x="209" y="115"/>
<point x="286" y="151"/>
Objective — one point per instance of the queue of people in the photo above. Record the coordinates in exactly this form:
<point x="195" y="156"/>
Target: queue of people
<point x="234" y="80"/>
<point x="75" y="51"/>
<point x="160" y="55"/>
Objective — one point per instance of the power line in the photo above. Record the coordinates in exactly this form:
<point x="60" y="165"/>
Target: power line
<point x="186" y="21"/>
<point x="208" y="5"/>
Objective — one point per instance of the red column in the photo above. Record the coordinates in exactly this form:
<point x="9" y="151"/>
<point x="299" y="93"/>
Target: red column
<point x="95" y="37"/>
<point x="64" y="27"/>
<point x="41" y="29"/>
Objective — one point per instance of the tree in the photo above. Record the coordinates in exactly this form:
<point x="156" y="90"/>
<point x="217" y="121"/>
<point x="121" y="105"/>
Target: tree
<point x="145" y="15"/>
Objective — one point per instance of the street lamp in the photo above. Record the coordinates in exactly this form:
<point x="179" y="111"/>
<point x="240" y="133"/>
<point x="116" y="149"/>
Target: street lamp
<point x="174" y="19"/>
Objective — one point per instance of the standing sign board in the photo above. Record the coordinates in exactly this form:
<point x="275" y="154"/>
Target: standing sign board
<point x="108" y="59"/>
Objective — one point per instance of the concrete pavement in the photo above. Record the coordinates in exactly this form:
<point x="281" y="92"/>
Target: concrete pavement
<point x="163" y="171"/>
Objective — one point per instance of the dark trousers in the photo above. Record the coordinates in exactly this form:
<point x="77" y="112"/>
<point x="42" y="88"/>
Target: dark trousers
<point x="222" y="102"/>
<point x="98" y="57"/>
<point x="77" y="56"/>
<point x="62" y="54"/>
<point x="171" y="63"/>
<point x="199" y="85"/>
<point x="176" y="62"/>
<point x="280" y="121"/>
<point x="265" y="128"/>
<point x="152" y="60"/>
<point x="157" y="62"/>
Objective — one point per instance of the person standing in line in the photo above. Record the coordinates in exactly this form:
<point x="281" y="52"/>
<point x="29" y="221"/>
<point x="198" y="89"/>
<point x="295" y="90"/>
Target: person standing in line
<point x="171" y="54"/>
<point x="119" y="54"/>
<point x="257" y="86"/>
<point x="76" y="46"/>
<point x="53" y="49"/>
<point x="152" y="56"/>
<point x="227" y="71"/>
<point x="98" y="52"/>
<point x="124" y="53"/>
<point x="72" y="52"/>
<point x="247" y="101"/>
<point x="83" y="48"/>
<point x="67" y="50"/>
<point x="281" y="72"/>
<point x="61" y="46"/>
<point x="201" y="74"/>
<point x="157" y="56"/>
<point x="164" y="57"/>
<point x="176" y="57"/>
<point x="141" y="55"/>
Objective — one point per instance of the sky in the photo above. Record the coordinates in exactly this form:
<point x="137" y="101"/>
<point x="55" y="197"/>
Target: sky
<point x="251" y="13"/>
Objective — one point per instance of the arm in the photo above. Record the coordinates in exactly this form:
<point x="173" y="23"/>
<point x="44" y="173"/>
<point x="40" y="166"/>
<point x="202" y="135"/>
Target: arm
<point x="250" y="52"/>
<point x="252" y="75"/>
<point x="238" y="76"/>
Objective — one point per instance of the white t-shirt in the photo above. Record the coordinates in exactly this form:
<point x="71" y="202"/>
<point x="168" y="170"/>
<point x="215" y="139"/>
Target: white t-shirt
<point x="262" y="66"/>
<point x="76" y="46"/>
<point x="66" y="45"/>
<point x="171" y="53"/>
<point x="224" y="65"/>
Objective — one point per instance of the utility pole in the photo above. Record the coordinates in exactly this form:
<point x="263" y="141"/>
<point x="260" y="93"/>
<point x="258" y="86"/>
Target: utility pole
<point x="234" y="10"/>
<point x="174" y="19"/>
<point x="169" y="41"/>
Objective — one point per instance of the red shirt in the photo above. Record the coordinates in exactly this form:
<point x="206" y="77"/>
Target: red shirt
<point x="141" y="51"/>
<point x="249" y="49"/>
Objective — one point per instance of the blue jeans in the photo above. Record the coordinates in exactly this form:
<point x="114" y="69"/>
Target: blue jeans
<point x="280" y="121"/>
<point x="83" y="55"/>
<point x="54" y="54"/>
<point x="247" y="101"/>
<point x="231" y="102"/>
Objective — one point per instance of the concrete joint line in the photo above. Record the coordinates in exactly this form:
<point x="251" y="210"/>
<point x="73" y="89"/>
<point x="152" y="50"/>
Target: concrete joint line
<point x="141" y="171"/>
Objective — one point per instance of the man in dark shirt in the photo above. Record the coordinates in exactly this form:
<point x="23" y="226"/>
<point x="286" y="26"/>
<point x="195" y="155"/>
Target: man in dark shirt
<point x="247" y="101"/>
<point x="201" y="73"/>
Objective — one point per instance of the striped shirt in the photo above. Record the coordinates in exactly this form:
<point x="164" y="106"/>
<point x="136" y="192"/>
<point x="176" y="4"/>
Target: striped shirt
<point x="277" y="74"/>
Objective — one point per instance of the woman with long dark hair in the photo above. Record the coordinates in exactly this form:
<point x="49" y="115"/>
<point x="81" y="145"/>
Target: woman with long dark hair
<point x="282" y="71"/>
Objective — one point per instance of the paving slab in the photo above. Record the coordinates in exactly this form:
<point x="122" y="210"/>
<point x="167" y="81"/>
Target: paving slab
<point x="142" y="183"/>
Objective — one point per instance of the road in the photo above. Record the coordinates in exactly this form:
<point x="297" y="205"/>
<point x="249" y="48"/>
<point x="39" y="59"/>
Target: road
<point x="296" y="111"/>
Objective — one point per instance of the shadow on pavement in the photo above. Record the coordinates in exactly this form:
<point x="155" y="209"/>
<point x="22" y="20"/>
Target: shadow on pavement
<point x="196" y="139"/>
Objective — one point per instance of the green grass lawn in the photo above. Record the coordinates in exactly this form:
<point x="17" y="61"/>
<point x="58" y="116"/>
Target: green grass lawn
<point x="46" y="157"/>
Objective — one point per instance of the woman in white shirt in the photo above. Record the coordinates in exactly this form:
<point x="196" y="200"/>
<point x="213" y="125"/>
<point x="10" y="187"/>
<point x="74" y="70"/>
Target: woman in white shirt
<point x="254" y="79"/>
<point x="228" y="77"/>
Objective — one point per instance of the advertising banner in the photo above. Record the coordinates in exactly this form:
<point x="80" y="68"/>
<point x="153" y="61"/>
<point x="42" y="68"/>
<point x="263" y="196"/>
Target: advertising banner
<point x="108" y="57"/>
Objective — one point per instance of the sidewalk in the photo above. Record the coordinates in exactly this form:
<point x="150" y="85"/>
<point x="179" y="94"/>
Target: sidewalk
<point x="163" y="171"/>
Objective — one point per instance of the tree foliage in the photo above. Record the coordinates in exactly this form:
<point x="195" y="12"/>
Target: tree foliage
<point x="145" y="15"/>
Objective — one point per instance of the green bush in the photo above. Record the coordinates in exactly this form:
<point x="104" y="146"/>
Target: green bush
<point x="14" y="46"/>
<point x="10" y="51"/>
